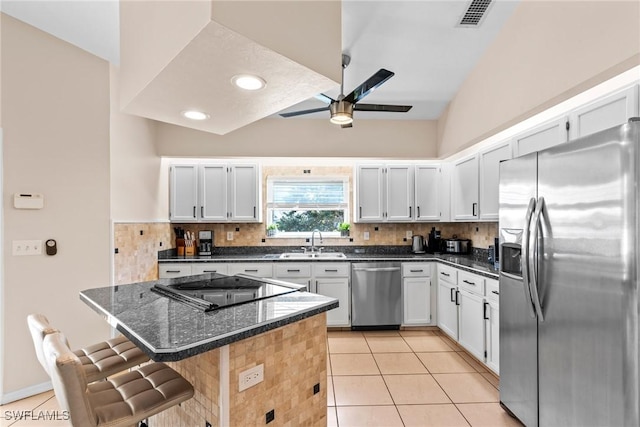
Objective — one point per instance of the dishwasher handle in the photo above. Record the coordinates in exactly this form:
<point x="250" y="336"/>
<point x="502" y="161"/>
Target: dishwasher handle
<point x="375" y="269"/>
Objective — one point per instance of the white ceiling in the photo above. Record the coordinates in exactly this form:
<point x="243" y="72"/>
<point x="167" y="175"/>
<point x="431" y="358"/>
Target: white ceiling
<point x="418" y="40"/>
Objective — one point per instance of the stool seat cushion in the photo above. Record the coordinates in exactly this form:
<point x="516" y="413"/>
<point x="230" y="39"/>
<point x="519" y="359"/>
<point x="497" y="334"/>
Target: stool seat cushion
<point x="109" y="357"/>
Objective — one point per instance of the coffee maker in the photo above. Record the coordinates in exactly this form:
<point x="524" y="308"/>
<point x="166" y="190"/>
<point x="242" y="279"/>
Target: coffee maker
<point x="205" y="242"/>
<point x="434" y="243"/>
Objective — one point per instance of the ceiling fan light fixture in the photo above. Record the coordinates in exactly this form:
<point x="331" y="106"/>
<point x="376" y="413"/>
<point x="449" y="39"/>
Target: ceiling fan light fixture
<point x="195" y="115"/>
<point x="248" y="82"/>
<point x="341" y="113"/>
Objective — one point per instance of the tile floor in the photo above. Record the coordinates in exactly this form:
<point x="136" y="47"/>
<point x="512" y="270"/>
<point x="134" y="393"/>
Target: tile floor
<point x="383" y="378"/>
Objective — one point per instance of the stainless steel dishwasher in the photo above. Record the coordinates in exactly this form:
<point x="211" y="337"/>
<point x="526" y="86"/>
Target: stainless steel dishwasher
<point x="376" y="295"/>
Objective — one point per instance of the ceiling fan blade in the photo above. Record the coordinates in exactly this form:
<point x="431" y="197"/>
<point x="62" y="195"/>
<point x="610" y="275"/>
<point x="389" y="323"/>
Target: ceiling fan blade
<point x="300" y="113"/>
<point x="348" y="125"/>
<point x="380" y="107"/>
<point x="324" y="98"/>
<point x="369" y="85"/>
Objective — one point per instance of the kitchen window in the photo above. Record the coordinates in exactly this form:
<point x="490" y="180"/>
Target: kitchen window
<point x="297" y="205"/>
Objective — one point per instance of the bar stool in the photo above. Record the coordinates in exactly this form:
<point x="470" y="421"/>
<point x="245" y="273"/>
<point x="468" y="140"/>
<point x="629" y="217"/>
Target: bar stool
<point x="98" y="360"/>
<point x="121" y="401"/>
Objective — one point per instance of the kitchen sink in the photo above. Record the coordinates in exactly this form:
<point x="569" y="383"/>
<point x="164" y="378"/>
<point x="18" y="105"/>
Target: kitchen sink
<point x="324" y="255"/>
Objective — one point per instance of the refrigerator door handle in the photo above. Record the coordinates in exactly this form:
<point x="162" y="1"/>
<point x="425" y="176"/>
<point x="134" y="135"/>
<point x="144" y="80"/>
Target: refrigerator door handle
<point x="533" y="258"/>
<point x="525" y="258"/>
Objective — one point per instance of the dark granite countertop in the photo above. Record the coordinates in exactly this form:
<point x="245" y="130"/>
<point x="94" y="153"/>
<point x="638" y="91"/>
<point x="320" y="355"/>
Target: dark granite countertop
<point x="465" y="262"/>
<point x="168" y="330"/>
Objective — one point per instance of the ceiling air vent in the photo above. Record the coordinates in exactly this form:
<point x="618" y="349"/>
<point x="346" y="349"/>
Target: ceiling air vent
<point x="474" y="13"/>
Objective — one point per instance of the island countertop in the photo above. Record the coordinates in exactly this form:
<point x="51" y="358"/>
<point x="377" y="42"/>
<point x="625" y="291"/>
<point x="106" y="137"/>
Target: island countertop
<point x="168" y="330"/>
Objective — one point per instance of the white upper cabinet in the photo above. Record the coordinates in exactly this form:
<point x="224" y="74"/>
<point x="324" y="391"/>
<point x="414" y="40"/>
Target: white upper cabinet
<point x="490" y="179"/>
<point x="429" y="187"/>
<point x="399" y="206"/>
<point x="184" y="193"/>
<point x="612" y="110"/>
<point x="369" y="193"/>
<point x="214" y="193"/>
<point x="540" y="137"/>
<point x="464" y="189"/>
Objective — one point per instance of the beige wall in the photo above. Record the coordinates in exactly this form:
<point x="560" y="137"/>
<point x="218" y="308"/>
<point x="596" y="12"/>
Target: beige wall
<point x="547" y="52"/>
<point x="56" y="142"/>
<point x="272" y="137"/>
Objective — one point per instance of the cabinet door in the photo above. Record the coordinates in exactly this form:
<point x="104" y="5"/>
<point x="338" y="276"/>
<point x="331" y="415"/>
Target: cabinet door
<point x="369" y="195"/>
<point x="416" y="296"/>
<point x="427" y="197"/>
<point x="610" y="111"/>
<point x="471" y="326"/>
<point x="209" y="267"/>
<point x="490" y="179"/>
<point x="336" y="288"/>
<point x="399" y="193"/>
<point x="447" y="309"/>
<point x="258" y="269"/>
<point x="464" y="189"/>
<point x="213" y="192"/>
<point x="183" y="193"/>
<point x="244" y="193"/>
<point x="166" y="270"/>
<point x="492" y="319"/>
<point x="540" y="137"/>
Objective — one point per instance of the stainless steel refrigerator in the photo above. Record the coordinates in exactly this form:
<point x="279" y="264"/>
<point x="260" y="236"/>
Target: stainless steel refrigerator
<point x="569" y="352"/>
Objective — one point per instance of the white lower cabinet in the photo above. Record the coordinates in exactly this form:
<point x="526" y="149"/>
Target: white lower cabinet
<point x="448" y="308"/>
<point x="171" y="270"/>
<point x="209" y="267"/>
<point x="332" y="280"/>
<point x="258" y="269"/>
<point x="492" y="335"/>
<point x="471" y="326"/>
<point x="416" y="294"/>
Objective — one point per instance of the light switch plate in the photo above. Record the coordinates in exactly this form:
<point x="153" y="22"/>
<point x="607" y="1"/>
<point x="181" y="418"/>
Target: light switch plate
<point x="27" y="247"/>
<point x="366" y="235"/>
<point x="229" y="235"/>
<point x="409" y="234"/>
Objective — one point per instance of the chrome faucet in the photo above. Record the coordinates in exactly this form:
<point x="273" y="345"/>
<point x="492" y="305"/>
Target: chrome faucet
<point x="313" y="240"/>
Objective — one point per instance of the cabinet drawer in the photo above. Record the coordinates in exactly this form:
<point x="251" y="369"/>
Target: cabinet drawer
<point x="471" y="282"/>
<point x="336" y="269"/>
<point x="493" y="290"/>
<point x="174" y="270"/>
<point x="295" y="269"/>
<point x="209" y="267"/>
<point x="259" y="269"/>
<point x="447" y="274"/>
<point x="416" y="269"/>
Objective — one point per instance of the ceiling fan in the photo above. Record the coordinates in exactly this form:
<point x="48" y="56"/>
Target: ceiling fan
<point x="341" y="109"/>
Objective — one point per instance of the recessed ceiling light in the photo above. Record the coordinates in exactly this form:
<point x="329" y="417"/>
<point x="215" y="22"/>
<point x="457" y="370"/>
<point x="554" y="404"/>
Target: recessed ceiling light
<point x="248" y="82"/>
<point x="195" y="115"/>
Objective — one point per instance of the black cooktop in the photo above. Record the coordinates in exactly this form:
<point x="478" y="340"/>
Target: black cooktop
<point x="223" y="291"/>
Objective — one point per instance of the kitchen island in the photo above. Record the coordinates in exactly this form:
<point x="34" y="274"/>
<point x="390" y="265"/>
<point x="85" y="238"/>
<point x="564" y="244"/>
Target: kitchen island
<point x="286" y="334"/>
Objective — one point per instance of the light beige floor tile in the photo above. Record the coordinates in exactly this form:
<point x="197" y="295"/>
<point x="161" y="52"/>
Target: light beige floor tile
<point x="451" y="343"/>
<point x="332" y="417"/>
<point x="473" y="362"/>
<point x="355" y="344"/>
<point x="427" y="343"/>
<point x="431" y="416"/>
<point x="47" y="414"/>
<point x="331" y="400"/>
<point x="415" y="389"/>
<point x="367" y="416"/>
<point x="492" y="379"/>
<point x="344" y="334"/>
<point x="354" y="364"/>
<point x="27" y="403"/>
<point x="417" y="333"/>
<point x="361" y="390"/>
<point x="381" y="334"/>
<point x="487" y="414"/>
<point x="445" y="362"/>
<point x="467" y="388"/>
<point x="329" y="372"/>
<point x="388" y="345"/>
<point x="399" y="363"/>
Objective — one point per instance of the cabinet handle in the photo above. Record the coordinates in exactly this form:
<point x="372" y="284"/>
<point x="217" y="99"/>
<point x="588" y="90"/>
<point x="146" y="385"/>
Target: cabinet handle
<point x="445" y="274"/>
<point x="209" y="271"/>
<point x="194" y="211"/>
<point x="254" y="212"/>
<point x="417" y="271"/>
<point x="293" y="271"/>
<point x="457" y="301"/>
<point x="173" y="271"/>
<point x="409" y="211"/>
<point x="452" y="297"/>
<point x="473" y="209"/>
<point x="469" y="283"/>
<point x="418" y="208"/>
<point x="484" y="311"/>
<point x="330" y="271"/>
<point x="495" y="292"/>
<point x="252" y="270"/>
<point x="201" y="211"/>
<point x="360" y="212"/>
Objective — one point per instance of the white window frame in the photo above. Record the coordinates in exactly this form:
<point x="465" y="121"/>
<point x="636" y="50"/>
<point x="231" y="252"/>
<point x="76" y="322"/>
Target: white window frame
<point x="306" y="234"/>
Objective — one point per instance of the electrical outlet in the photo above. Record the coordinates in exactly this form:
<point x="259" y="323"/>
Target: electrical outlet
<point x="270" y="416"/>
<point x="27" y="247"/>
<point x="251" y="377"/>
<point x="365" y="235"/>
<point x="229" y="235"/>
<point x="316" y="388"/>
<point x="409" y="234"/>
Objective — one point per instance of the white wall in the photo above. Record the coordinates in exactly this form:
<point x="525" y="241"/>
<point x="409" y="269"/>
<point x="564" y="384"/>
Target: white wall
<point x="55" y="101"/>
<point x="546" y="53"/>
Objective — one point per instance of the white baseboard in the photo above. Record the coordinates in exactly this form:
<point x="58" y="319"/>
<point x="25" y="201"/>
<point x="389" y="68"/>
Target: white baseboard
<point x="25" y="392"/>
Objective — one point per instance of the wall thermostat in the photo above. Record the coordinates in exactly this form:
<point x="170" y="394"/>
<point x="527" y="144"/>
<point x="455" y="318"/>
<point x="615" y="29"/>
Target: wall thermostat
<point x="51" y="247"/>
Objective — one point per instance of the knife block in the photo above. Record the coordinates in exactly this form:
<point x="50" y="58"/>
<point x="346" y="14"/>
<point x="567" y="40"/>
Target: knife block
<point x="189" y="250"/>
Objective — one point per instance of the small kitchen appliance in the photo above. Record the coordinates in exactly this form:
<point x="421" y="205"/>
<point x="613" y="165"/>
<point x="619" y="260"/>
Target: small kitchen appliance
<point x="417" y="246"/>
<point x="434" y="244"/>
<point x="457" y="246"/>
<point x="205" y="242"/>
